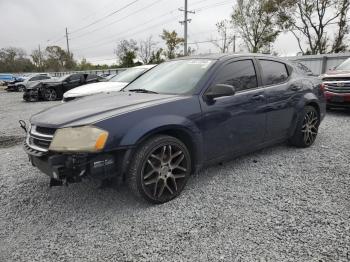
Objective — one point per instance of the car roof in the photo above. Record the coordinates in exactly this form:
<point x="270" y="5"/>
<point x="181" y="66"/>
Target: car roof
<point x="230" y="55"/>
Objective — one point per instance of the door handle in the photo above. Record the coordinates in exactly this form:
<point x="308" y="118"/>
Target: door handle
<point x="295" y="88"/>
<point x="258" y="97"/>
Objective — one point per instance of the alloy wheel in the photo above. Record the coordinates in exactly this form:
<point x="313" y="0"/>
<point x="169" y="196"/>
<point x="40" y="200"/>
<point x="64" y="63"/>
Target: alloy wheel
<point x="310" y="127"/>
<point x="50" y="95"/>
<point x="164" y="172"/>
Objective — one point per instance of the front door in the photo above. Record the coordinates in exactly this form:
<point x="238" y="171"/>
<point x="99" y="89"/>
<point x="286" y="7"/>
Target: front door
<point x="234" y="123"/>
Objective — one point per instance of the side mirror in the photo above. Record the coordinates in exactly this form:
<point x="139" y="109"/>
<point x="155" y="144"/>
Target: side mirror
<point x="220" y="90"/>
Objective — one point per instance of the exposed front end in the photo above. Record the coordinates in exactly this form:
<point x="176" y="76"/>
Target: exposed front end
<point x="67" y="163"/>
<point x="337" y="91"/>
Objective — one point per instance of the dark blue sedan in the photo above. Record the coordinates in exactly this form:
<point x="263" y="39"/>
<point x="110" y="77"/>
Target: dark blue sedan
<point x="178" y="117"/>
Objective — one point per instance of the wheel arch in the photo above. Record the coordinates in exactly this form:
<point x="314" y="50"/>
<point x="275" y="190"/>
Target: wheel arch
<point x="315" y="105"/>
<point x="309" y="99"/>
<point x="184" y="134"/>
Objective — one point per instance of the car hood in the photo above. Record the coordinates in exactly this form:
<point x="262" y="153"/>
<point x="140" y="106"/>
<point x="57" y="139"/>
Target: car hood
<point x="92" y="109"/>
<point x="94" y="88"/>
<point x="336" y="73"/>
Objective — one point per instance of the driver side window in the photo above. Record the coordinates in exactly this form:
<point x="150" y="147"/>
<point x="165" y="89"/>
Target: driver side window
<point x="239" y="74"/>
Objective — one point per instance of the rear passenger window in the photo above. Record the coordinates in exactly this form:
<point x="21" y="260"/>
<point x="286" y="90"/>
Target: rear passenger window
<point x="273" y="72"/>
<point x="35" y="78"/>
<point x="240" y="74"/>
<point x="75" y="77"/>
<point x="91" y="78"/>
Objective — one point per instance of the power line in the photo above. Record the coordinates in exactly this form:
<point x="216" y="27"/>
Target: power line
<point x="149" y="21"/>
<point x="127" y="31"/>
<point x="104" y="17"/>
<point x="119" y="20"/>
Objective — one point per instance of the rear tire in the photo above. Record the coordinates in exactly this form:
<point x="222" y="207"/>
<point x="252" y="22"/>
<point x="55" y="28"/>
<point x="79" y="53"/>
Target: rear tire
<point x="159" y="169"/>
<point x="307" y="128"/>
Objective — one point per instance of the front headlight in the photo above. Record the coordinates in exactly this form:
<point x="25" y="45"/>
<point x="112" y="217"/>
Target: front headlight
<point x="79" y="139"/>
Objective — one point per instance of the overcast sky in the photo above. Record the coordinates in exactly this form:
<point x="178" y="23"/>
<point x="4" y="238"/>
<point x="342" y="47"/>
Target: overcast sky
<point x="28" y="23"/>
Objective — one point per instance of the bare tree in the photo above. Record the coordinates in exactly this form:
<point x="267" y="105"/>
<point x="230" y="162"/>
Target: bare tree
<point x="310" y="21"/>
<point x="146" y="48"/>
<point x="224" y="29"/>
<point x="38" y="59"/>
<point x="343" y="27"/>
<point x="256" y="23"/>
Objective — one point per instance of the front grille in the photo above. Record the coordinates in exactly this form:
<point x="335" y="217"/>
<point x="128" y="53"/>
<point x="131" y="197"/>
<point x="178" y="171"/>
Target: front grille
<point x="39" y="138"/>
<point x="45" y="130"/>
<point x="40" y="143"/>
<point x="337" y="86"/>
<point x="332" y="79"/>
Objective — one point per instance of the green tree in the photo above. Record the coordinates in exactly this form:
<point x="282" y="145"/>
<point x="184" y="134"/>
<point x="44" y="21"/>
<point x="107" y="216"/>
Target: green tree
<point x="126" y="52"/>
<point x="57" y="59"/>
<point x="256" y="21"/>
<point x="173" y="42"/>
<point x="157" y="56"/>
<point x="14" y="60"/>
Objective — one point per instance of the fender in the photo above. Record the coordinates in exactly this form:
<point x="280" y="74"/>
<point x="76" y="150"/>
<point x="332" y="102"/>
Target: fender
<point x="164" y="124"/>
<point x="305" y="100"/>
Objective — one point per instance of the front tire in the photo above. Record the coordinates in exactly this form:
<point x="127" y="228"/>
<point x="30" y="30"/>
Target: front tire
<point x="21" y="88"/>
<point x="307" y="128"/>
<point x="50" y="94"/>
<point x="159" y="169"/>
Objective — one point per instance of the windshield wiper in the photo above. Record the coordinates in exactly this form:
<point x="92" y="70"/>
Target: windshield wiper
<point x="142" y="91"/>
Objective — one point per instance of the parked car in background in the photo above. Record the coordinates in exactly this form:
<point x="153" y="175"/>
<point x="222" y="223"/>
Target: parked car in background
<point x="178" y="117"/>
<point x="114" y="84"/>
<point x="27" y="80"/>
<point x="337" y="86"/>
<point x="53" y="89"/>
<point x="107" y="78"/>
<point x="6" y="78"/>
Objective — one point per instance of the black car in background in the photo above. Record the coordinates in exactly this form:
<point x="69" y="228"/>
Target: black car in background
<point x="175" y="119"/>
<point x="53" y="89"/>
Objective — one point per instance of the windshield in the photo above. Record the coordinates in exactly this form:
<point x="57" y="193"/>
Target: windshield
<point x="173" y="77"/>
<point x="128" y="75"/>
<point x="345" y="65"/>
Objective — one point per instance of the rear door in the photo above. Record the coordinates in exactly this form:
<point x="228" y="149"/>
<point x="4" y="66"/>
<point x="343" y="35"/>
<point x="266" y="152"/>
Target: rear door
<point x="280" y="98"/>
<point x="234" y="123"/>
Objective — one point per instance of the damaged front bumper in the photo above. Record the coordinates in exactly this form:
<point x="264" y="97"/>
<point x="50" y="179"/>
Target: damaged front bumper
<point x="72" y="168"/>
<point x="66" y="169"/>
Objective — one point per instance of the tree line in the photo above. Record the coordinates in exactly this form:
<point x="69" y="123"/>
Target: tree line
<point x="319" y="27"/>
<point x="128" y="53"/>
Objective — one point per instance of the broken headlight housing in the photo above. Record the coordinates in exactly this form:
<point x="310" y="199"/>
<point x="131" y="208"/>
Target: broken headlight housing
<point x="79" y="139"/>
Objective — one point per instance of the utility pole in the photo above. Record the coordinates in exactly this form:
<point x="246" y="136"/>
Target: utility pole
<point x="39" y="58"/>
<point x="234" y="43"/>
<point x="67" y="41"/>
<point x="184" y="22"/>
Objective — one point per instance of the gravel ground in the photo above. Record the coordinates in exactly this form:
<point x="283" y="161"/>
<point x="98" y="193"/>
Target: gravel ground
<point x="279" y="204"/>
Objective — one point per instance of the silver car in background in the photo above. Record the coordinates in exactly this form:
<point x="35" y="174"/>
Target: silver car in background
<point x="116" y="83"/>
